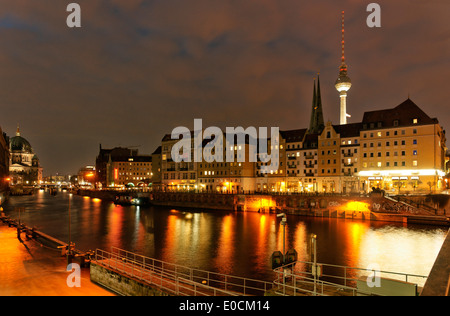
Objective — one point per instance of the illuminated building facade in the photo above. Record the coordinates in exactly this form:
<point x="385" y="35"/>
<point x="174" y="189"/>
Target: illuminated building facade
<point x="24" y="166"/>
<point x="131" y="171"/>
<point x="120" y="167"/>
<point x="177" y="176"/>
<point x="4" y="164"/>
<point x="402" y="149"/>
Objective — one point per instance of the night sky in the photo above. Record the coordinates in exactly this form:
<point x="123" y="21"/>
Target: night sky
<point x="138" y="68"/>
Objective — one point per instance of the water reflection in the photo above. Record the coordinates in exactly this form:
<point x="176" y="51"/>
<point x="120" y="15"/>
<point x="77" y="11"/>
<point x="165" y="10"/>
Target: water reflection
<point x="229" y="242"/>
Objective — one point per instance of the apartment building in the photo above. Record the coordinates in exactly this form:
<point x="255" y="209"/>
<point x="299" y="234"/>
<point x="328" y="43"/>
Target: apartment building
<point x="398" y="148"/>
<point x="402" y="149"/>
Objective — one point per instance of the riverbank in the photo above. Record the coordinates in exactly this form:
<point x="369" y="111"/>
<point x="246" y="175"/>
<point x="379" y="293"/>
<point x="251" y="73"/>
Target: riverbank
<point x="367" y="208"/>
<point x="29" y="268"/>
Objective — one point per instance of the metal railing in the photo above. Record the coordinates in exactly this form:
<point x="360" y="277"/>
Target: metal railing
<point x="176" y="279"/>
<point x="297" y="279"/>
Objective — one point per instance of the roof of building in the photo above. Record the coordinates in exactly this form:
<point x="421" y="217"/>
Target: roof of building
<point x="348" y="130"/>
<point x="401" y="115"/>
<point x="295" y="135"/>
<point x="18" y="143"/>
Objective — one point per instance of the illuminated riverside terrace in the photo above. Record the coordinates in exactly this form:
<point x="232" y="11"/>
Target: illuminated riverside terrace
<point x="228" y="242"/>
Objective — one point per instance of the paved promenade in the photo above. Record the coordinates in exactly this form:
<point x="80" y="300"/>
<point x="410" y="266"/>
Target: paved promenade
<point x="29" y="269"/>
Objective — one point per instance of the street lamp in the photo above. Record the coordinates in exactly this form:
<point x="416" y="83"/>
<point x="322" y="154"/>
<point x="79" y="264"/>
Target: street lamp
<point x="315" y="271"/>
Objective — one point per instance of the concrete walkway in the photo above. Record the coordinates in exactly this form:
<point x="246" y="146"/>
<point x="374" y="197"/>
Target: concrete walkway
<point x="30" y="269"/>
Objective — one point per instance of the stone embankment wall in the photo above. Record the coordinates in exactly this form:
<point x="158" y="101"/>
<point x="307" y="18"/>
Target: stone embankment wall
<point x="375" y="207"/>
<point x="120" y="283"/>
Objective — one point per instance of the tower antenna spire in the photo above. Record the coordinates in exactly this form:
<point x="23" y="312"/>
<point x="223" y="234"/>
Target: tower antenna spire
<point x="343" y="82"/>
<point x="343" y="38"/>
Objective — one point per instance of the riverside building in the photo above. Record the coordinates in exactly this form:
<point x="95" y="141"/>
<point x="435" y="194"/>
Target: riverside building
<point x="399" y="149"/>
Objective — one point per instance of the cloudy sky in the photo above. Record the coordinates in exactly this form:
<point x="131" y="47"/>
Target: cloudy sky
<point x="136" y="69"/>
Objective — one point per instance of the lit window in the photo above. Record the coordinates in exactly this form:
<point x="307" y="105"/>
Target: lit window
<point x="414" y="163"/>
<point x="415" y="121"/>
<point x="379" y="164"/>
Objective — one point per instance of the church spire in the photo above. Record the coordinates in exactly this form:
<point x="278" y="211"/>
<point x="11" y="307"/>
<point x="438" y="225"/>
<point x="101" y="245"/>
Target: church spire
<point x="316" y="123"/>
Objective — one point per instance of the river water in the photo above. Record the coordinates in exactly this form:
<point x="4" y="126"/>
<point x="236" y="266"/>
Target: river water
<point x="231" y="242"/>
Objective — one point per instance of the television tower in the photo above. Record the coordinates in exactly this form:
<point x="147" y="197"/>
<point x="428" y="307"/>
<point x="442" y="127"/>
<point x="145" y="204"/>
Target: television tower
<point x="343" y="82"/>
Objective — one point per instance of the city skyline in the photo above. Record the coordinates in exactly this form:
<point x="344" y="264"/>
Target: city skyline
<point x="136" y="70"/>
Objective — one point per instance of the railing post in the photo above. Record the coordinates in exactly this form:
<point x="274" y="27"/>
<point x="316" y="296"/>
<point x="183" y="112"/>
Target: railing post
<point x="345" y="275"/>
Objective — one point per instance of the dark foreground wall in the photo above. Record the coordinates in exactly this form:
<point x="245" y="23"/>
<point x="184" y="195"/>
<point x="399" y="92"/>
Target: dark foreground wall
<point x="438" y="282"/>
<point x="121" y="284"/>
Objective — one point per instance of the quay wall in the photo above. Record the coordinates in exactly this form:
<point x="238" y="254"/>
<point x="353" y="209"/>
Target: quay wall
<point x="374" y="207"/>
<point x="121" y="284"/>
<point x="438" y="281"/>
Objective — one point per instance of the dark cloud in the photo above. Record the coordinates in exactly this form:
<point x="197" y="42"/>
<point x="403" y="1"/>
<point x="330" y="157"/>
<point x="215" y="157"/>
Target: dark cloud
<point x="137" y="69"/>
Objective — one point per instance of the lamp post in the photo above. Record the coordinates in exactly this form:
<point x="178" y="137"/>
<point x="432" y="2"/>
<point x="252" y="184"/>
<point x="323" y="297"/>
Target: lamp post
<point x="314" y="269"/>
<point x="69" y="248"/>
<point x="283" y="223"/>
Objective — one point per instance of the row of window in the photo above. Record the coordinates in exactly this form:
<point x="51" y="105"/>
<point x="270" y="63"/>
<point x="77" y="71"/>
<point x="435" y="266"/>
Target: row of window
<point x="380" y="124"/>
<point x="379" y="164"/>
<point x="135" y="164"/>
<point x="387" y="154"/>
<point x="395" y="143"/>
<point x="388" y="133"/>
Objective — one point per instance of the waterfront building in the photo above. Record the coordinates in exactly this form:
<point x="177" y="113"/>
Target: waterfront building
<point x="208" y="175"/>
<point x="396" y="149"/>
<point x="24" y="166"/>
<point x="86" y="177"/>
<point x="180" y="176"/>
<point x="120" y="167"/>
<point x="236" y="176"/>
<point x="104" y="157"/>
<point x="4" y="164"/>
<point x="156" y="169"/>
<point x="131" y="171"/>
<point x="338" y="158"/>
<point x="402" y="149"/>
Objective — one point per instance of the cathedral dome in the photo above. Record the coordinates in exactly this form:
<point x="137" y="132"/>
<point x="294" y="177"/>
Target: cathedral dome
<point x="18" y="143"/>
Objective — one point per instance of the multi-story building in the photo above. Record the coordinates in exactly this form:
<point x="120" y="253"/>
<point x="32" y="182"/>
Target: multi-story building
<point x="156" y="169"/>
<point x="4" y="165"/>
<point x="132" y="171"/>
<point x="122" y="167"/>
<point x="402" y="148"/>
<point x="24" y="166"/>
<point x="177" y="176"/>
<point x="390" y="149"/>
<point x="339" y="158"/>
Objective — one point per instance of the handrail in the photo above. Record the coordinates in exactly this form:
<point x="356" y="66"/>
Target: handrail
<point x="177" y="279"/>
<point x="447" y="291"/>
<point x="347" y="281"/>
